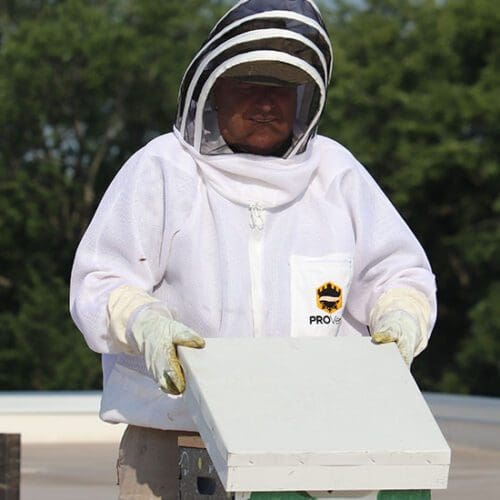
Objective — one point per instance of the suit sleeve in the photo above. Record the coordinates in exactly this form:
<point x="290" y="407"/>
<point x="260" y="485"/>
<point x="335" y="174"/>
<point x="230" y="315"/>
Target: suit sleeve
<point x="123" y="245"/>
<point x="387" y="254"/>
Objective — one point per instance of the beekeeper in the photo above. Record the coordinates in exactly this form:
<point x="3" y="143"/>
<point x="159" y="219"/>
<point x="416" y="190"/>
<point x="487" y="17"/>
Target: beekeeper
<point x="242" y="222"/>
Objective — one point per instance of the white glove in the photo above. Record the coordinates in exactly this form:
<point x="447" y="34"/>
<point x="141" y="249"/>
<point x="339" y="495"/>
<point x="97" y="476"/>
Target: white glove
<point x="401" y="315"/>
<point x="139" y="324"/>
<point x="157" y="337"/>
<point x="399" y="327"/>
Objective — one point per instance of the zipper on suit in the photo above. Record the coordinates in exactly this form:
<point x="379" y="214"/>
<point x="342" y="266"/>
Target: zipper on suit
<point x="255" y="256"/>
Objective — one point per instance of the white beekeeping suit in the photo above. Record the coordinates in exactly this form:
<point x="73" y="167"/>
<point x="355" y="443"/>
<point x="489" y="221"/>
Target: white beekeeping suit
<point x="235" y="244"/>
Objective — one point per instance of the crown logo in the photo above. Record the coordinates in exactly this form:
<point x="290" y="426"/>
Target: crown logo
<point x="329" y="297"/>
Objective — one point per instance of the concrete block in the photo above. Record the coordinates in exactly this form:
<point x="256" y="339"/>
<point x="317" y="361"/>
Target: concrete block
<point x="10" y="466"/>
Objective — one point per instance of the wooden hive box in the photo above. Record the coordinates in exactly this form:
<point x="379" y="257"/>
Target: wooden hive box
<point x="302" y="414"/>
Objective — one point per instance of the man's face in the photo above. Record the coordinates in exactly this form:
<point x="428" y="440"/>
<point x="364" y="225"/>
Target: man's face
<point x="257" y="119"/>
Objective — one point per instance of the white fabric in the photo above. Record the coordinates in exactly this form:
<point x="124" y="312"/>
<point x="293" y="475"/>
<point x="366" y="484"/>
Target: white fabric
<point x="251" y="180"/>
<point x="179" y="229"/>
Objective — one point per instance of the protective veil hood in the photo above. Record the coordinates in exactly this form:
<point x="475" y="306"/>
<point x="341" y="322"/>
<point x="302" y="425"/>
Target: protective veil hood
<point x="282" y="41"/>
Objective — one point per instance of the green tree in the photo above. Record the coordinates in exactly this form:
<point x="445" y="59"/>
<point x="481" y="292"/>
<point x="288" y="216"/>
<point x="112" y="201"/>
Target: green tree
<point x="414" y="96"/>
<point x="82" y="85"/>
<point x="43" y="349"/>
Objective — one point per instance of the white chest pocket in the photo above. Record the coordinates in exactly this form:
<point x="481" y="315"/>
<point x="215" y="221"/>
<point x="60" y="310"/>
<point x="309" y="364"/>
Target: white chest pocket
<point x="319" y="289"/>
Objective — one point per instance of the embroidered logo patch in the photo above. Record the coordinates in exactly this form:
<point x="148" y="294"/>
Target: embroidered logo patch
<point x="329" y="297"/>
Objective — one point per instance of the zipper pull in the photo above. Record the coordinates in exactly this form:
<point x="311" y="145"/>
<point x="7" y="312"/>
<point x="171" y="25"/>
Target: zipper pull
<point x="256" y="217"/>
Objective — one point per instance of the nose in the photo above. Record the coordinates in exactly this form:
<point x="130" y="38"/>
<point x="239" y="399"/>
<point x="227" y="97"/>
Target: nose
<point x="264" y="100"/>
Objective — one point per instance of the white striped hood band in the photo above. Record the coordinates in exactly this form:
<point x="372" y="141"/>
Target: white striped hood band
<point x="287" y="35"/>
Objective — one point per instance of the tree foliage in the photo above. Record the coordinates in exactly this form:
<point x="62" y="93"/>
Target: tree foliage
<point x="83" y="84"/>
<point x="415" y="98"/>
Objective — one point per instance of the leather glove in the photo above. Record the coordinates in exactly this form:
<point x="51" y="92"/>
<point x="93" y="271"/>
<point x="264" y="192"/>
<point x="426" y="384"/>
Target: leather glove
<point x="399" y="327"/>
<point x="139" y="324"/>
<point x="402" y="315"/>
<point x="157" y="336"/>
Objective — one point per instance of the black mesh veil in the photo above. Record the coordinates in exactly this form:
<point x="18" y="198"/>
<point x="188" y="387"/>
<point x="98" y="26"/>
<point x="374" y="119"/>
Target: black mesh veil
<point x="283" y="37"/>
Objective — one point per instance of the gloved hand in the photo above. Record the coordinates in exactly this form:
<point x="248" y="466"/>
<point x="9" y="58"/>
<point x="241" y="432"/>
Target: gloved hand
<point x="402" y="315"/>
<point x="157" y="336"/>
<point x="399" y="327"/>
<point x="139" y="324"/>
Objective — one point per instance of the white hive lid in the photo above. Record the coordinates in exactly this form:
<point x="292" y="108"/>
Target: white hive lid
<point x="313" y="414"/>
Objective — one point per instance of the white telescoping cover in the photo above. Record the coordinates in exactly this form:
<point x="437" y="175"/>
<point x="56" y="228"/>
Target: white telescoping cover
<point x="313" y="414"/>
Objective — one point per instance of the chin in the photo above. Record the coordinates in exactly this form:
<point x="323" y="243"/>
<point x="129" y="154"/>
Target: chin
<point x="262" y="150"/>
<point x="265" y="146"/>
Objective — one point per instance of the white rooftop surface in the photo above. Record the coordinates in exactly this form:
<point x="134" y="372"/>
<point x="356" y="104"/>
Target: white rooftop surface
<point x="313" y="414"/>
<point x="56" y="417"/>
<point x="65" y="468"/>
